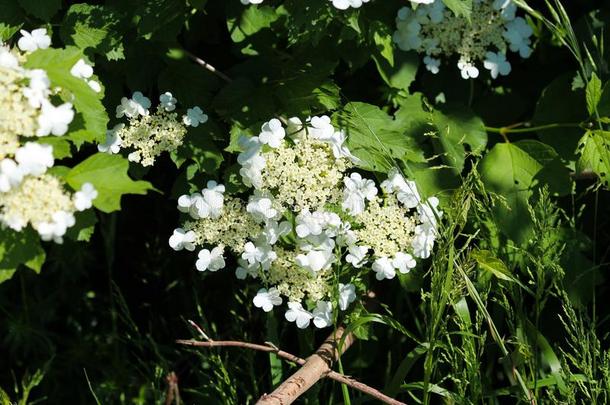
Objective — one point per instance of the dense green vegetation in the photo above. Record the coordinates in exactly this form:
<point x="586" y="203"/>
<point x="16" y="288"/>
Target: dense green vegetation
<point x="509" y="308"/>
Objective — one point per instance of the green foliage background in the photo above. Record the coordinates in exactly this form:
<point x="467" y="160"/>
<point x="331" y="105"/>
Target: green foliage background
<point x="510" y="308"/>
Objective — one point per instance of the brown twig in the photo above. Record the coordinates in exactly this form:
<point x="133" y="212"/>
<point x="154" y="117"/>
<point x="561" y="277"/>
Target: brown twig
<point x="328" y="347"/>
<point x="316" y="366"/>
<point x="207" y="66"/>
<point x="173" y="393"/>
<point x="199" y="329"/>
<point x="245" y="345"/>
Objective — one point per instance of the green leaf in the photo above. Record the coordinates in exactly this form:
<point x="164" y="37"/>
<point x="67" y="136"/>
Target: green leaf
<point x="11" y="19"/>
<point x="84" y="227"/>
<point x="603" y="107"/>
<point x="252" y="20"/>
<point x="61" y="146"/>
<point x="244" y="102"/>
<point x="201" y="149"/>
<point x="432" y="388"/>
<point x="560" y="104"/>
<point x="305" y="87"/>
<point x="594" y="154"/>
<point x="367" y="318"/>
<point x="488" y="262"/>
<point x="554" y="172"/>
<point x="382" y="38"/>
<point x="582" y="275"/>
<point x="18" y="248"/>
<point x="438" y="181"/>
<point x="162" y="19"/>
<point x="90" y="124"/>
<point x="43" y="9"/>
<point x="460" y="7"/>
<point x="94" y="26"/>
<point x="402" y="73"/>
<point x="181" y="77"/>
<point x="393" y="386"/>
<point x="593" y="93"/>
<point x="509" y="171"/>
<point x="233" y="180"/>
<point x="108" y="174"/>
<point x="375" y="137"/>
<point x="458" y="126"/>
<point x="548" y="355"/>
<point x="4" y="398"/>
<point x="275" y="362"/>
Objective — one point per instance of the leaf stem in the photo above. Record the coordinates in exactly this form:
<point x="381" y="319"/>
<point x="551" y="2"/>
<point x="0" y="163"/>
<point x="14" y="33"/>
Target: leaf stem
<point x="511" y="129"/>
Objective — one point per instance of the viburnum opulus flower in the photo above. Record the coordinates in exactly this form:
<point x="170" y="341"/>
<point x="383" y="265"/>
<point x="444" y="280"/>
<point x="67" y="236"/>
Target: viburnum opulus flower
<point x="43" y="202"/>
<point x="148" y="134"/>
<point x="338" y="4"/>
<point x="29" y="195"/>
<point x="484" y="39"/>
<point x="311" y="226"/>
<point x="31" y="41"/>
<point x="27" y="109"/>
<point x="84" y="71"/>
<point x="267" y="299"/>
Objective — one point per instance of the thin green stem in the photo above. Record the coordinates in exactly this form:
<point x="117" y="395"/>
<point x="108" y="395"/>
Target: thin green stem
<point x="344" y="390"/>
<point x="495" y="334"/>
<point x="510" y="130"/>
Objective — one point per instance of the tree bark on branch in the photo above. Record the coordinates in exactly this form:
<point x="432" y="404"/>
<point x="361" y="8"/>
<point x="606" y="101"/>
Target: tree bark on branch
<point x="314" y="368"/>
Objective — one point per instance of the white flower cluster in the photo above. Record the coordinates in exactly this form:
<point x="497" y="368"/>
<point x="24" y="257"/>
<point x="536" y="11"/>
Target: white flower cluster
<point x="493" y="29"/>
<point x="25" y="94"/>
<point x="150" y="134"/>
<point x="28" y="194"/>
<point x="307" y="230"/>
<point x="338" y="4"/>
